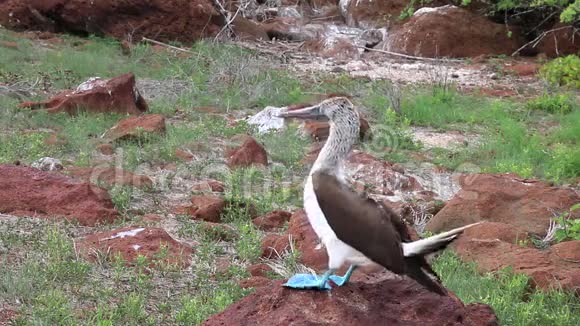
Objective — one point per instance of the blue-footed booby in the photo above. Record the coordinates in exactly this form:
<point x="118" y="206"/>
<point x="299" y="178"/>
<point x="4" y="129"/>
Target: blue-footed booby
<point x="354" y="229"/>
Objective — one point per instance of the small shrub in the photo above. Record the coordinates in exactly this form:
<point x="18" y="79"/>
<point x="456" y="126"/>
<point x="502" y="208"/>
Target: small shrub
<point x="564" y="163"/>
<point x="569" y="228"/>
<point x="559" y="103"/>
<point x="563" y="71"/>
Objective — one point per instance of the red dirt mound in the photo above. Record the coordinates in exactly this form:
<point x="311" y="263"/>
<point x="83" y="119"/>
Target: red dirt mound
<point x="163" y="20"/>
<point x="131" y="242"/>
<point x="554" y="268"/>
<point x="117" y="94"/>
<point x="386" y="302"/>
<point x="26" y="191"/>
<point x="452" y="32"/>
<point x="526" y="205"/>
<point x="249" y="153"/>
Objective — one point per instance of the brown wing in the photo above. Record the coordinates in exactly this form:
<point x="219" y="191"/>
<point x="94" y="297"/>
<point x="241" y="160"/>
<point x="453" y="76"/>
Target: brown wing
<point x="359" y="222"/>
<point x="371" y="228"/>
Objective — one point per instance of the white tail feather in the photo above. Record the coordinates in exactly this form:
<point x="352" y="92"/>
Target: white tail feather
<point x="425" y="246"/>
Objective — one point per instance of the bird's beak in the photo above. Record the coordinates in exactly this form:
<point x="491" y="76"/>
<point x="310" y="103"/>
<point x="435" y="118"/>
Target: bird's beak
<point x="311" y="112"/>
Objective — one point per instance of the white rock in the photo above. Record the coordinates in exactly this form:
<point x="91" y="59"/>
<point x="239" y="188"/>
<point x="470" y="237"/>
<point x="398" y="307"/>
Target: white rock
<point x="90" y="84"/>
<point x="47" y="164"/>
<point x="130" y="233"/>
<point x="428" y="10"/>
<point x="266" y="119"/>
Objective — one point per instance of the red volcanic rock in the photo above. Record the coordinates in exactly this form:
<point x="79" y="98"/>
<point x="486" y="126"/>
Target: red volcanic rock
<point x="118" y="95"/>
<point x="452" y="32"/>
<point x="525" y="205"/>
<point x="272" y="221"/>
<point x="552" y="268"/>
<point x="135" y="126"/>
<point x="183" y="155"/>
<point x="209" y="186"/>
<point x="110" y="176"/>
<point x="210" y="207"/>
<point x="383" y="302"/>
<point x="162" y="20"/>
<point x="246" y="29"/>
<point x="207" y="207"/>
<point x="249" y="153"/>
<point x="26" y="191"/>
<point x="563" y="40"/>
<point x="383" y="177"/>
<point x="131" y="242"/>
<point x="259" y="269"/>
<point x="494" y="231"/>
<point x="106" y="149"/>
<point x="255" y="282"/>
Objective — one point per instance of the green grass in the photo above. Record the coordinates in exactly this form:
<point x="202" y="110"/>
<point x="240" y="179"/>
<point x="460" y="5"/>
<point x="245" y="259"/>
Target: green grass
<point x="52" y="285"/>
<point x="449" y="109"/>
<point x="508" y="294"/>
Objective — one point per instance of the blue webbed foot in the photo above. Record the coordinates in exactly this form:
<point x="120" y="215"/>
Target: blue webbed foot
<point x="308" y="281"/>
<point x="338" y="280"/>
<point x="342" y="280"/>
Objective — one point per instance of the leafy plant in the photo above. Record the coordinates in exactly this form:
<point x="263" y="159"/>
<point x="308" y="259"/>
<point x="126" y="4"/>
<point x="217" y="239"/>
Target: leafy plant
<point x="569" y="228"/>
<point x="564" y="71"/>
<point x="559" y="103"/>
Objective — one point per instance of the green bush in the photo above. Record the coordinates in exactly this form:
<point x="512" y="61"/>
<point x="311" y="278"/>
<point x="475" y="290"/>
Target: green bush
<point x="570" y="229"/>
<point x="563" y="71"/>
<point x="559" y="103"/>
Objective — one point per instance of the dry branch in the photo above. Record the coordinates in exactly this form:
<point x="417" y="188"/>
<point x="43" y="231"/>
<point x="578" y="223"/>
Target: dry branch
<point x="166" y="45"/>
<point x="406" y="56"/>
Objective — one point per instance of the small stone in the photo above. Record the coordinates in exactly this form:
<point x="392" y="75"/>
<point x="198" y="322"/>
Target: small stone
<point x="48" y="164"/>
<point x="136" y="127"/>
<point x="183" y="155"/>
<point x="273" y="220"/>
<point x="106" y="149"/>
<point x="207" y="207"/>
<point x="249" y="153"/>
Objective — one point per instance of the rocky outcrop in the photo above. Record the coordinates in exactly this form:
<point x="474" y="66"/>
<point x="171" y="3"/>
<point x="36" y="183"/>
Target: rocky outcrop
<point x="135" y="127"/>
<point x="130" y="242"/>
<point x="526" y="205"/>
<point x="207" y="207"/>
<point x="163" y="20"/>
<point x="383" y="301"/>
<point x="449" y="31"/>
<point x="381" y="177"/>
<point x="494" y="248"/>
<point x="118" y="95"/>
<point x="273" y="220"/>
<point x="248" y="153"/>
<point x="27" y="191"/>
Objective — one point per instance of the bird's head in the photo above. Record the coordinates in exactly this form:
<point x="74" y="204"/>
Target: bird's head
<point x="336" y="109"/>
